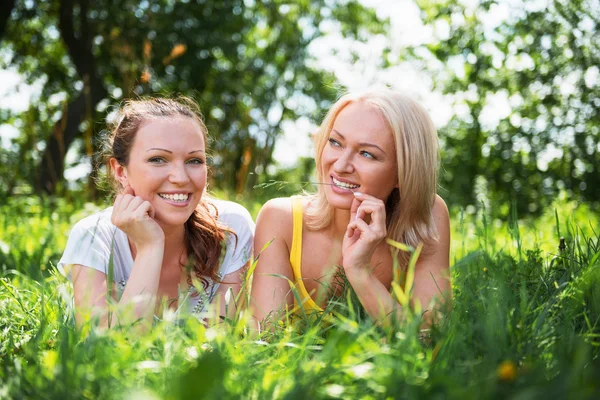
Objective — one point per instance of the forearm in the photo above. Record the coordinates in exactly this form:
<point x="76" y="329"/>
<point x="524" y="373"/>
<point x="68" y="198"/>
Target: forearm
<point x="374" y="296"/>
<point x="227" y="300"/>
<point x="138" y="301"/>
<point x="270" y="297"/>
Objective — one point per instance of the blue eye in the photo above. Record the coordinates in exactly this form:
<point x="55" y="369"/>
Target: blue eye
<point x="368" y="155"/>
<point x="334" y="142"/>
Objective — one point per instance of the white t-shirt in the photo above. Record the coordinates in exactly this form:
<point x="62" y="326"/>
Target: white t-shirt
<point x="92" y="239"/>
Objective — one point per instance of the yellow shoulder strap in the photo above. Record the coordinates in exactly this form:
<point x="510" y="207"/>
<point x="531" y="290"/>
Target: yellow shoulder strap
<point x="296" y="250"/>
<point x="296" y="255"/>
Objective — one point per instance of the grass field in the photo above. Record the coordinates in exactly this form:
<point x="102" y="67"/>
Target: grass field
<point x="524" y="324"/>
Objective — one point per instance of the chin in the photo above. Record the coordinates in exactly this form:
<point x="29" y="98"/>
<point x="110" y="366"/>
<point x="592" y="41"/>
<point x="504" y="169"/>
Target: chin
<point x="339" y="201"/>
<point x="168" y="219"/>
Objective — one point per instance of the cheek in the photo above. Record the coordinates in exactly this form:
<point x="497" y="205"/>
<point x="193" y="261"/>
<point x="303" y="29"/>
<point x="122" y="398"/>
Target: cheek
<point x="384" y="181"/>
<point x="144" y="183"/>
<point x="199" y="178"/>
<point x="326" y="158"/>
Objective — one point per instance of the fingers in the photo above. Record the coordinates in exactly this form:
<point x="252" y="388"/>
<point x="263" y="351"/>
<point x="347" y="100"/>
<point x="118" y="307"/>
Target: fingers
<point x="365" y="231"/>
<point x="122" y="202"/>
<point x="151" y="211"/>
<point x="358" y="198"/>
<point x="358" y="225"/>
<point x="368" y="218"/>
<point x="144" y="209"/>
<point x="133" y="204"/>
<point x="370" y="207"/>
<point x="137" y="209"/>
<point x="128" y="207"/>
<point x="127" y="200"/>
<point x="373" y="214"/>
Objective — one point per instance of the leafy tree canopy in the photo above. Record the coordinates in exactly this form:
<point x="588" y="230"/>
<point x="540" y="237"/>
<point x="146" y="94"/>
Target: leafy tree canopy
<point x="542" y="60"/>
<point x="246" y="62"/>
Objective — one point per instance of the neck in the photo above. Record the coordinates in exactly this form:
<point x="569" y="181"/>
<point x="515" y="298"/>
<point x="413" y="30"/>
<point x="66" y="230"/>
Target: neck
<point x="174" y="241"/>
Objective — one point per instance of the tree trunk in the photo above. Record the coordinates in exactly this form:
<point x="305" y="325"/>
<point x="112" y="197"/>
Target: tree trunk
<point x="64" y="133"/>
<point x="66" y="130"/>
<point x="6" y="7"/>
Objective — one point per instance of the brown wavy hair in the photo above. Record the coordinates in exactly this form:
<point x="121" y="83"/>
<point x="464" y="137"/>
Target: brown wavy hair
<point x="204" y="236"/>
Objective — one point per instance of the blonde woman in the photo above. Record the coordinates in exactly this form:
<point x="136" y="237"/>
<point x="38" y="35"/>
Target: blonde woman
<point x="377" y="158"/>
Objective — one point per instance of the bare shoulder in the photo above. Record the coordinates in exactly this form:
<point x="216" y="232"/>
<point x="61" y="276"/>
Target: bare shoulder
<point x="441" y="221"/>
<point x="275" y="218"/>
<point x="436" y="255"/>
<point x="440" y="210"/>
<point x="441" y="218"/>
<point x="276" y="208"/>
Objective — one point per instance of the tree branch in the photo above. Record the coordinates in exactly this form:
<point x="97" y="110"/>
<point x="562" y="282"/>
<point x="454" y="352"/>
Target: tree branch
<point x="77" y="48"/>
<point x="6" y="8"/>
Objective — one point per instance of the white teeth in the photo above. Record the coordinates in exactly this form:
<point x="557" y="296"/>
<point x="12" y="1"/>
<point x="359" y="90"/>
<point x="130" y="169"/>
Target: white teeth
<point x="174" y="197"/>
<point x="344" y="185"/>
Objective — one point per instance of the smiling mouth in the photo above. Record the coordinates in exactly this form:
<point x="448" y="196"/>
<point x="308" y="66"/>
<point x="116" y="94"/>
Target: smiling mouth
<point x="179" y="197"/>
<point x="344" y="185"/>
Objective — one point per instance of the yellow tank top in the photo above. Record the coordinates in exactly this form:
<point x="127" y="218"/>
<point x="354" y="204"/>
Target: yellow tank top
<point x="296" y="256"/>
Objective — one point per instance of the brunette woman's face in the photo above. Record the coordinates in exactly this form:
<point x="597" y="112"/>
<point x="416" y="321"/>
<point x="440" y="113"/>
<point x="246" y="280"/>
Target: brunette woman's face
<point x="167" y="167"/>
<point x="360" y="156"/>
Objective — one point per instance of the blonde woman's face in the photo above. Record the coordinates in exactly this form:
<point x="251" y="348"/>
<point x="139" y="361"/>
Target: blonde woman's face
<point x="359" y="156"/>
<point x="167" y="167"/>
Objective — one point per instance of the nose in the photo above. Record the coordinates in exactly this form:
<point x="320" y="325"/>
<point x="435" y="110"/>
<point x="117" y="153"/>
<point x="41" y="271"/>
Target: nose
<point x="179" y="174"/>
<point x="344" y="163"/>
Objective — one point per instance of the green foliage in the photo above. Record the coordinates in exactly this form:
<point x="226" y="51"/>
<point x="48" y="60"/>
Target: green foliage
<point x="524" y="323"/>
<point x="246" y="62"/>
<point x="541" y="60"/>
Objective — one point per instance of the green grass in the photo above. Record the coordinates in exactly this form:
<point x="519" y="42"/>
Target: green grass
<point x="524" y="324"/>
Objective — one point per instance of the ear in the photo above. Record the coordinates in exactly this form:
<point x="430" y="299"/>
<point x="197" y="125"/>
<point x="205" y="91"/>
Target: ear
<point x="119" y="171"/>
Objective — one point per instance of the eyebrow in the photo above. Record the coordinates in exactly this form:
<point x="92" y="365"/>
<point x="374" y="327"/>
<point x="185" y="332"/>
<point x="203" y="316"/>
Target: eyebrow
<point x="169" y="151"/>
<point x="363" y="144"/>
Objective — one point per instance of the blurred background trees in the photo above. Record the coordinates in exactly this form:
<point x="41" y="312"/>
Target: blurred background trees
<point x="541" y="59"/>
<point x="245" y="62"/>
<point x="524" y="85"/>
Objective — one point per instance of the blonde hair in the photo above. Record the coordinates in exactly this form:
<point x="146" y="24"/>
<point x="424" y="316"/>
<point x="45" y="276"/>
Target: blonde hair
<point x="409" y="208"/>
